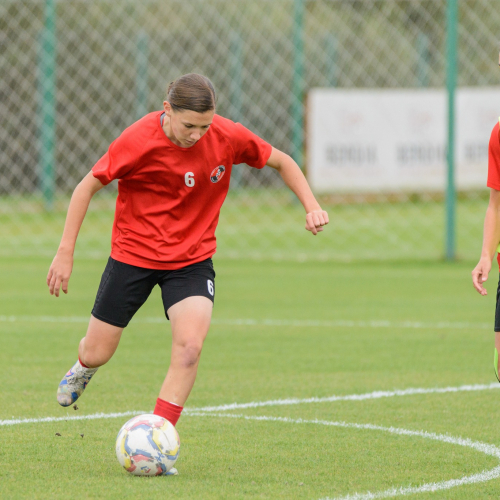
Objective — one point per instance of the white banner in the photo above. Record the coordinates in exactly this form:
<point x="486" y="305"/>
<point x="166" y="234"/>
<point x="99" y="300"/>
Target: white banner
<point x="395" y="140"/>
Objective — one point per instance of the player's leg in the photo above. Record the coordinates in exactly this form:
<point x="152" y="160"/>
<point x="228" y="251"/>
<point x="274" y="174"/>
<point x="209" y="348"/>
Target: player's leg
<point x="188" y="296"/>
<point x="99" y="343"/>
<point x="496" y="357"/>
<point x="496" y="354"/>
<point x="122" y="291"/>
<point x="95" y="349"/>
<point x="190" y="320"/>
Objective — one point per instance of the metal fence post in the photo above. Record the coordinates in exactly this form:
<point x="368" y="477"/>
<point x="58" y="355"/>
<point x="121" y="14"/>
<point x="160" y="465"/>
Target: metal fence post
<point x="298" y="81"/>
<point x="235" y="85"/>
<point x="47" y="126"/>
<point x="142" y="74"/>
<point x="423" y="66"/>
<point x="331" y="69"/>
<point x="451" y="83"/>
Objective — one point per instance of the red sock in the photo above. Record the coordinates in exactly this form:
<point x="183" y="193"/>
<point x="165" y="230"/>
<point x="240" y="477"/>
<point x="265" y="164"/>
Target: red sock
<point x="169" y="411"/>
<point x="85" y="366"/>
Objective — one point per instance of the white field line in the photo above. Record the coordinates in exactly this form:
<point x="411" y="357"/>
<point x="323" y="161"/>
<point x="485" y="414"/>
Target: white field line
<point x="354" y="324"/>
<point x="275" y="402"/>
<point x="487" y="449"/>
<point x="439" y="325"/>
<point x="349" y="397"/>
<point x="481" y="477"/>
<point x="93" y="416"/>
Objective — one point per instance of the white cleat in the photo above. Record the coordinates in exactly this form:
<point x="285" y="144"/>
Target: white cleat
<point x="73" y="384"/>
<point x="172" y="472"/>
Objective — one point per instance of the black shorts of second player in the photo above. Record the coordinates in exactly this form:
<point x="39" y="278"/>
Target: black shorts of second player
<point x="124" y="288"/>
<point x="497" y="310"/>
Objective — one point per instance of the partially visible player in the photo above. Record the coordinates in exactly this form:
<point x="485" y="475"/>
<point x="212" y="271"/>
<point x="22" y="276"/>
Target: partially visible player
<point x="174" y="168"/>
<point x="491" y="234"/>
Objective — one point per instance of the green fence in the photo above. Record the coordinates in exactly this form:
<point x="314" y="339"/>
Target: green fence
<point x="76" y="73"/>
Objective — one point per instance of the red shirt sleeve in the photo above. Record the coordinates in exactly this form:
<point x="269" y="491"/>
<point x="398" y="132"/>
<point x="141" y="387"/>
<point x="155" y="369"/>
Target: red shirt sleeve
<point x="249" y="148"/>
<point x="121" y="158"/>
<point x="494" y="159"/>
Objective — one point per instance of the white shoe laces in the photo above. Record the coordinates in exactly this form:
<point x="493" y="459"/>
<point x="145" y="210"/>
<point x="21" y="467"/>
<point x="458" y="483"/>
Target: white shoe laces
<point x="80" y="376"/>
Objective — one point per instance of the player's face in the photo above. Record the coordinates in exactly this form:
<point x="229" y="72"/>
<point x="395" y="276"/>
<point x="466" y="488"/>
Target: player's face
<point x="188" y="127"/>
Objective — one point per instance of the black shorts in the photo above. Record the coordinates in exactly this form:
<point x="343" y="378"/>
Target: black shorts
<point x="124" y="288"/>
<point x="497" y="310"/>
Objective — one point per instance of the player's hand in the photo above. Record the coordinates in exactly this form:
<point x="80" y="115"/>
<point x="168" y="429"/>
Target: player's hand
<point x="59" y="273"/>
<point x="480" y="274"/>
<point x="315" y="221"/>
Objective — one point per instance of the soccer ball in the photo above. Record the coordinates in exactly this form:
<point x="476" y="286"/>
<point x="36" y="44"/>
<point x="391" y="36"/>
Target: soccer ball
<point x="147" y="445"/>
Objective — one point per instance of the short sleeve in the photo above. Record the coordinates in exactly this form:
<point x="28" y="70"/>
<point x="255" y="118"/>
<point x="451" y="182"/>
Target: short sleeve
<point x="494" y="159"/>
<point x="249" y="148"/>
<point x="119" y="160"/>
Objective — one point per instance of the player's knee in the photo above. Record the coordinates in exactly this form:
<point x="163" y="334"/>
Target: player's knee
<point x="190" y="354"/>
<point x="92" y="357"/>
<point x="93" y="360"/>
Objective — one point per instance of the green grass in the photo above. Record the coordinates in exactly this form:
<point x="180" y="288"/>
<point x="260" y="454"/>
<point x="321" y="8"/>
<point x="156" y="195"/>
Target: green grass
<point x="268" y="224"/>
<point x="233" y="458"/>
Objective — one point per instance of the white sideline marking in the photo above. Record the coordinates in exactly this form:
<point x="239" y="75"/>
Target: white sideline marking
<point x="93" y="416"/>
<point x="350" y="324"/>
<point x="488" y="449"/>
<point x="350" y="397"/>
<point x="485" y="448"/>
<point x="481" y="477"/>
<point x="440" y="325"/>
<point x="275" y="402"/>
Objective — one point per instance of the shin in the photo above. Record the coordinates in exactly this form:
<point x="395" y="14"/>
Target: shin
<point x="190" y="322"/>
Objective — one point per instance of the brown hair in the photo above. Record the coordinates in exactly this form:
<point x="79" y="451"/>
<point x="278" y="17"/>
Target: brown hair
<point x="191" y="92"/>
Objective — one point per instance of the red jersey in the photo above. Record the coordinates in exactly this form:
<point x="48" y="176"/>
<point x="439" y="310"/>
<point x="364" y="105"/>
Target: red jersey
<point x="494" y="159"/>
<point x="169" y="197"/>
<point x="494" y="165"/>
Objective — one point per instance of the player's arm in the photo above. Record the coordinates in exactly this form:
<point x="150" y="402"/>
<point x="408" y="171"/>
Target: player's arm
<point x="491" y="238"/>
<point x="62" y="265"/>
<point x="293" y="177"/>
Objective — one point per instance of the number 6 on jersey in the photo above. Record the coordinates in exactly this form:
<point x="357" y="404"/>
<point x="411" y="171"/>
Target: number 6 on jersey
<point x="189" y="179"/>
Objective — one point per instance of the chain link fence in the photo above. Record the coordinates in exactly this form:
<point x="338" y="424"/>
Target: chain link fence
<point x="75" y="73"/>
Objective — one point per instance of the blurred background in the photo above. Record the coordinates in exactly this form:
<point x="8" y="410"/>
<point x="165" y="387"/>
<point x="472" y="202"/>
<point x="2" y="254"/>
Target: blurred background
<point x="76" y="73"/>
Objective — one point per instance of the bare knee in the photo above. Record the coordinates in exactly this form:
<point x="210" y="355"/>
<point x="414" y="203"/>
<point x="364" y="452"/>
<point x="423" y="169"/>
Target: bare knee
<point x="188" y="354"/>
<point x="91" y="356"/>
<point x="99" y="344"/>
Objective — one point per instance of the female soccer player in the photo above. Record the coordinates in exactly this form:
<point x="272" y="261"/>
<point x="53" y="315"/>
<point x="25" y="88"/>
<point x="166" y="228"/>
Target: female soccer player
<point x="491" y="233"/>
<point x="174" y="168"/>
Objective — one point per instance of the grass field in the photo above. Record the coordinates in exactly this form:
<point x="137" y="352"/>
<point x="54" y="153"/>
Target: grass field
<point x="267" y="224"/>
<point x="280" y="331"/>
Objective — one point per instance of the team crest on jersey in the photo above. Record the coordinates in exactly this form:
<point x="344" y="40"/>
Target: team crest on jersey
<point x="217" y="173"/>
